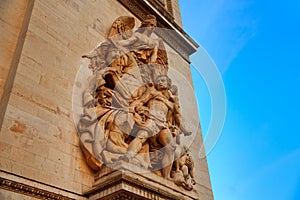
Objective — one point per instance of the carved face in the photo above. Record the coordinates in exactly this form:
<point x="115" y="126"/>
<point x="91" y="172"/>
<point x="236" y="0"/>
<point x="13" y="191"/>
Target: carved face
<point x="151" y="25"/>
<point x="162" y="83"/>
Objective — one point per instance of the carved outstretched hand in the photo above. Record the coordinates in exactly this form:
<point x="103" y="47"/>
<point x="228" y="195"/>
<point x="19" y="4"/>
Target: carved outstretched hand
<point x="188" y="133"/>
<point x="185" y="131"/>
<point x="189" y="161"/>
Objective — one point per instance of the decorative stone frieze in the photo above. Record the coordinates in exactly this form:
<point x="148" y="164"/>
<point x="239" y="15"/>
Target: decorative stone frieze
<point x="30" y="190"/>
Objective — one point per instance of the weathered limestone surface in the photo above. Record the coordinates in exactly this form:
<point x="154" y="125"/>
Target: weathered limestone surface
<point x="176" y="12"/>
<point x="38" y="139"/>
<point x="14" y="19"/>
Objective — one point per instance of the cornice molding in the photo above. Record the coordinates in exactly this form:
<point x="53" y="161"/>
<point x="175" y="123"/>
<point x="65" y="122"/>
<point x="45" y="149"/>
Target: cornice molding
<point x="28" y="190"/>
<point x="166" y="13"/>
<point x="121" y="179"/>
<point x="141" y="189"/>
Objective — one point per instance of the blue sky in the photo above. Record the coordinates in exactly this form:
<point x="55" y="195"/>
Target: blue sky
<point x="256" y="47"/>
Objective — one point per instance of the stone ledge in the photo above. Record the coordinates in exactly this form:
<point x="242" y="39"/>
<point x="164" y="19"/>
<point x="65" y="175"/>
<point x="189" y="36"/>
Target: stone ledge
<point x="32" y="188"/>
<point x="29" y="190"/>
<point x="121" y="179"/>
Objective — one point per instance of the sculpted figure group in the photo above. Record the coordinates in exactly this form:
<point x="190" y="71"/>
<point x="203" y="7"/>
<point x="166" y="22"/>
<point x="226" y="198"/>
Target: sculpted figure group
<point x="131" y="110"/>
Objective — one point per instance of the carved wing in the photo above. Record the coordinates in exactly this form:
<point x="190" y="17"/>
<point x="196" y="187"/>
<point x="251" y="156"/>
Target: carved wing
<point x="162" y="58"/>
<point x="122" y="27"/>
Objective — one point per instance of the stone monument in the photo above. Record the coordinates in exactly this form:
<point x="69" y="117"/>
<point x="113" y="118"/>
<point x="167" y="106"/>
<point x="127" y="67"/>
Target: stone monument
<point x="97" y="102"/>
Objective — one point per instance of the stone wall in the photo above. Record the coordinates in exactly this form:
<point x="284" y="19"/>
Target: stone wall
<point x="41" y="47"/>
<point x="14" y="19"/>
<point x="176" y="12"/>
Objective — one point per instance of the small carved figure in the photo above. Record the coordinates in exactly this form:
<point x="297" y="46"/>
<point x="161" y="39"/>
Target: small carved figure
<point x="183" y="173"/>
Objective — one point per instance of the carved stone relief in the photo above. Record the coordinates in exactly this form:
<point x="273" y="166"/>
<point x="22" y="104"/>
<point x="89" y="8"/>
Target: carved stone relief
<point x="131" y="110"/>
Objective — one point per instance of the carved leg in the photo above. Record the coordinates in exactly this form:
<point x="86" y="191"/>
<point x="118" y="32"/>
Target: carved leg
<point x="116" y="142"/>
<point x="185" y="172"/>
<point x="167" y="162"/>
<point x="136" y="145"/>
<point x="166" y="139"/>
